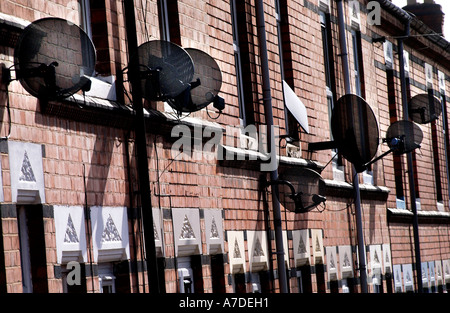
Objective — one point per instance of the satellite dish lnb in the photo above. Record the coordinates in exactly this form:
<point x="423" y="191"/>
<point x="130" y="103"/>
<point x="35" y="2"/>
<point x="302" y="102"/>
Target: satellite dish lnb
<point x="309" y="193"/>
<point x="403" y="137"/>
<point x="310" y="190"/>
<point x="205" y="86"/>
<point x="165" y="68"/>
<point x="355" y="130"/>
<point x="54" y="58"/>
<point x="424" y="108"/>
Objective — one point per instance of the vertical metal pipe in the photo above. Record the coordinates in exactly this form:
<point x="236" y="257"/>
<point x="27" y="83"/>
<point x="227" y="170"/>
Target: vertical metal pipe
<point x="412" y="188"/>
<point x="267" y="98"/>
<point x="141" y="148"/>
<point x="343" y="44"/>
<point x="358" y="215"/>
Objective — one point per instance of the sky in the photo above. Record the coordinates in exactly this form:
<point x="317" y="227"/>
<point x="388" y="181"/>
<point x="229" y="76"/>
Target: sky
<point x="445" y="8"/>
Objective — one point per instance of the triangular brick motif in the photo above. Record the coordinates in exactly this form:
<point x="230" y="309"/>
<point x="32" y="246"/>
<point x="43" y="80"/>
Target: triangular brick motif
<point x="425" y="271"/>
<point x="375" y="258"/>
<point x="318" y="249"/>
<point x="214" y="233"/>
<point x="355" y="10"/>
<point x="26" y="172"/>
<point x="186" y="230"/>
<point x="301" y="246"/>
<point x="71" y="233"/>
<point x="110" y="233"/>
<point x="332" y="264"/>
<point x="346" y="260"/>
<point x="258" y="250"/>
<point x="236" y="251"/>
<point x="408" y="277"/>
<point x="155" y="231"/>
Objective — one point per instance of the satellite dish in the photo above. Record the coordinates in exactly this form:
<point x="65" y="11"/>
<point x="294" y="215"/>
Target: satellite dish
<point x="403" y="136"/>
<point x="296" y="107"/>
<point x="206" y="84"/>
<point x="310" y="190"/>
<point x="424" y="108"/>
<point x="166" y="69"/>
<point x="54" y="58"/>
<point x="355" y="130"/>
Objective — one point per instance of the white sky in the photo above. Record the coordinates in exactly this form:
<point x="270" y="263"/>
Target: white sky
<point x="445" y="8"/>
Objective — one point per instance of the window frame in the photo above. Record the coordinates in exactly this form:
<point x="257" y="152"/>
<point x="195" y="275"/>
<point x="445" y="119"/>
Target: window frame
<point x="238" y="64"/>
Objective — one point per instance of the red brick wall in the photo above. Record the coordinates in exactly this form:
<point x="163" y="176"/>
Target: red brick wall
<point x="203" y="183"/>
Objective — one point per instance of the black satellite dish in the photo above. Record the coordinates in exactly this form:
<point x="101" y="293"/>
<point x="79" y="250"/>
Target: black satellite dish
<point x="310" y="189"/>
<point x="424" y="108"/>
<point x="355" y="130"/>
<point x="403" y="136"/>
<point x="165" y="68"/>
<point x="54" y="58"/>
<point x="206" y="84"/>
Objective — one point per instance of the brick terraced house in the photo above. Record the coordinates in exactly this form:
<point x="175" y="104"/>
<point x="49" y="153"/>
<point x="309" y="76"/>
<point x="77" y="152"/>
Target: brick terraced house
<point x="72" y="218"/>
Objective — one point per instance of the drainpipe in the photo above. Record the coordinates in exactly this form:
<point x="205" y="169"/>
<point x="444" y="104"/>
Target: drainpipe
<point x="267" y="99"/>
<point x="358" y="216"/>
<point x="141" y="148"/>
<point x="412" y="188"/>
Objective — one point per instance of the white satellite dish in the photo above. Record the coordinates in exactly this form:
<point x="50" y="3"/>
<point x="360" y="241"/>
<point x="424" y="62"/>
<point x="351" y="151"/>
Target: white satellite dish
<point x="296" y="107"/>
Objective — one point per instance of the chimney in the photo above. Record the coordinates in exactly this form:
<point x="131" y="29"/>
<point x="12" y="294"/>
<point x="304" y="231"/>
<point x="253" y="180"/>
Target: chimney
<point x="429" y="13"/>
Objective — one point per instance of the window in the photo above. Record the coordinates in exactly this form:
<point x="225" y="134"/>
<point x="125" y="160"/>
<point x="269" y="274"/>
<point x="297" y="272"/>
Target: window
<point x="320" y="278"/>
<point x="260" y="282"/>
<point x="285" y="54"/>
<point x="358" y="64"/>
<point x="398" y="163"/>
<point x="445" y="127"/>
<point x="239" y="283"/>
<point x="414" y="165"/>
<point x="32" y="249"/>
<point x="25" y="258"/>
<point x="106" y="278"/>
<point x="436" y="150"/>
<point x="377" y="283"/>
<point x="85" y="16"/>
<point x="330" y="81"/>
<point x="304" y="279"/>
<point x="190" y="274"/>
<point x="73" y="288"/>
<point x="217" y="273"/>
<point x="169" y="28"/>
<point x="360" y="89"/>
<point x="243" y="67"/>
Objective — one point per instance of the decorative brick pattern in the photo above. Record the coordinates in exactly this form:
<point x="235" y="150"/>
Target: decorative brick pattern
<point x="88" y="163"/>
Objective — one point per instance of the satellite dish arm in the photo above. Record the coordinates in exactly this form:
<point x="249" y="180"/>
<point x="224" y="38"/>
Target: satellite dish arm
<point x="294" y="195"/>
<point x="380" y="157"/>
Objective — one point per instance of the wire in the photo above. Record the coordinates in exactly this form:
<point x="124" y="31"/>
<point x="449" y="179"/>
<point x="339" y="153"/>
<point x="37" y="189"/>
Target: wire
<point x="171" y="161"/>
<point x="213" y="118"/>
<point x="329" y="161"/>
<point x="144" y="18"/>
